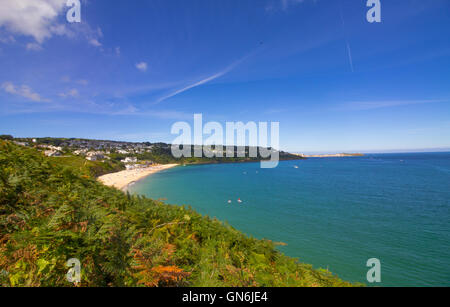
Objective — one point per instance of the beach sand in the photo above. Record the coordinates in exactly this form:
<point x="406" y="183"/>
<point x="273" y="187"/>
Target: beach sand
<point x="122" y="179"/>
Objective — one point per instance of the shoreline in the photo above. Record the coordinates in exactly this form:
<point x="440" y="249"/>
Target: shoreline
<point x="121" y="180"/>
<point x="340" y="155"/>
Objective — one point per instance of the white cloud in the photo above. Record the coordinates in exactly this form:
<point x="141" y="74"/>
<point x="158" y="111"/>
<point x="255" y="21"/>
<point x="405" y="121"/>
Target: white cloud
<point x="282" y="4"/>
<point x="287" y="3"/>
<point x="99" y="32"/>
<point x="68" y="79"/>
<point x="42" y="19"/>
<point x="24" y="91"/>
<point x="36" y="18"/>
<point x="95" y="42"/>
<point x="142" y="66"/>
<point x="9" y="87"/>
<point x="71" y="93"/>
<point x="7" y="39"/>
<point x="34" y="47"/>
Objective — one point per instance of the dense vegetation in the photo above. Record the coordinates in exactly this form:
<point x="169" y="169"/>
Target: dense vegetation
<point x="163" y="155"/>
<point x="50" y="212"/>
<point x="93" y="168"/>
<point x="160" y="152"/>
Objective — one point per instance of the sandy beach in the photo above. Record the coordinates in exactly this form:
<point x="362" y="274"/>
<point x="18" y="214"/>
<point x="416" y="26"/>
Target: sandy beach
<point x="122" y="179"/>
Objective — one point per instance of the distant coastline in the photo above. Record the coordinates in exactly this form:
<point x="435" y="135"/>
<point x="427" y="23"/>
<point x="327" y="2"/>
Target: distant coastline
<point x="339" y="155"/>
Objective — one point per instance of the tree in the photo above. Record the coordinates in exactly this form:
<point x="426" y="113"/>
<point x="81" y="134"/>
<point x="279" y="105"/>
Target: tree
<point x="6" y="137"/>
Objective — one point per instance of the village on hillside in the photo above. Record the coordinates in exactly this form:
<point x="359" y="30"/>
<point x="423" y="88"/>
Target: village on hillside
<point x="95" y="150"/>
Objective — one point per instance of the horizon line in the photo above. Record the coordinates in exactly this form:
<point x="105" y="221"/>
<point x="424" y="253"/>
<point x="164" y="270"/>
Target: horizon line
<point x="364" y="151"/>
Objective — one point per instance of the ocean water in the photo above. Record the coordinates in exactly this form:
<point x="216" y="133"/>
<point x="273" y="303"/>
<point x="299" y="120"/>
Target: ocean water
<point x="333" y="213"/>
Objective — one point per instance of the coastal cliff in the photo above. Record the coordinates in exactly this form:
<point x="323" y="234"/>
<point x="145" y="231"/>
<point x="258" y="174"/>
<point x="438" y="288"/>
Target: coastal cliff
<point x="50" y="213"/>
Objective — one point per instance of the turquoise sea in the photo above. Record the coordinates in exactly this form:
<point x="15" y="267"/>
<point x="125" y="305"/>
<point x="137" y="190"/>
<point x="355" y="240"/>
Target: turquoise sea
<point x="333" y="213"/>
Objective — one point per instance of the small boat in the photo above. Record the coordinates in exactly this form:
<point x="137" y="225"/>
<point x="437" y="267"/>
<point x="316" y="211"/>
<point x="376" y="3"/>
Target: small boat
<point x="239" y="200"/>
<point x="229" y="201"/>
<point x="295" y="166"/>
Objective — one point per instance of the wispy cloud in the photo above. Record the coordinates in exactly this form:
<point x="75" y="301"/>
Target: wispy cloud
<point x="84" y="106"/>
<point x="285" y="4"/>
<point x="349" y="51"/>
<point x="7" y="39"/>
<point x="282" y="5"/>
<point x="34" y="47"/>
<point x="142" y="66"/>
<point x="161" y="114"/>
<point x="94" y="42"/>
<point x="68" y="79"/>
<point x="184" y="89"/>
<point x="350" y="59"/>
<point x="70" y="93"/>
<point x="23" y="91"/>
<point x="203" y="81"/>
<point x="368" y="105"/>
<point x="131" y="110"/>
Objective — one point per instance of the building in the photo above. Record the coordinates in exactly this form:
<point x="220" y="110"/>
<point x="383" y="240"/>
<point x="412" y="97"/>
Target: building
<point x="80" y="152"/>
<point x="129" y="160"/>
<point x="95" y="156"/>
<point x="52" y="153"/>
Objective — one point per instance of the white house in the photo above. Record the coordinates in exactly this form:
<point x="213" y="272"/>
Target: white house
<point x="80" y="152"/>
<point x="52" y="153"/>
<point x="94" y="156"/>
<point x="129" y="160"/>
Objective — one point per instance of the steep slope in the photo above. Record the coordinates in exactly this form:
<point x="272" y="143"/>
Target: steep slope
<point x="50" y="213"/>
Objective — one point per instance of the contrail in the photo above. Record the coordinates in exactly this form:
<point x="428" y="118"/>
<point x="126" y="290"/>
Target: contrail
<point x="350" y="56"/>
<point x="349" y="51"/>
<point x="215" y="76"/>
<point x="206" y="80"/>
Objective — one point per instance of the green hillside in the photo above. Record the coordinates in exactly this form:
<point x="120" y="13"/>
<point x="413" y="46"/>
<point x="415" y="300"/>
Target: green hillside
<point x="51" y="212"/>
<point x="93" y="168"/>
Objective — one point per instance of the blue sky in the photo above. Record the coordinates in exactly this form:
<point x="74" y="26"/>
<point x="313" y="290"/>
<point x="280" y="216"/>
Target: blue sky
<point x="131" y="69"/>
